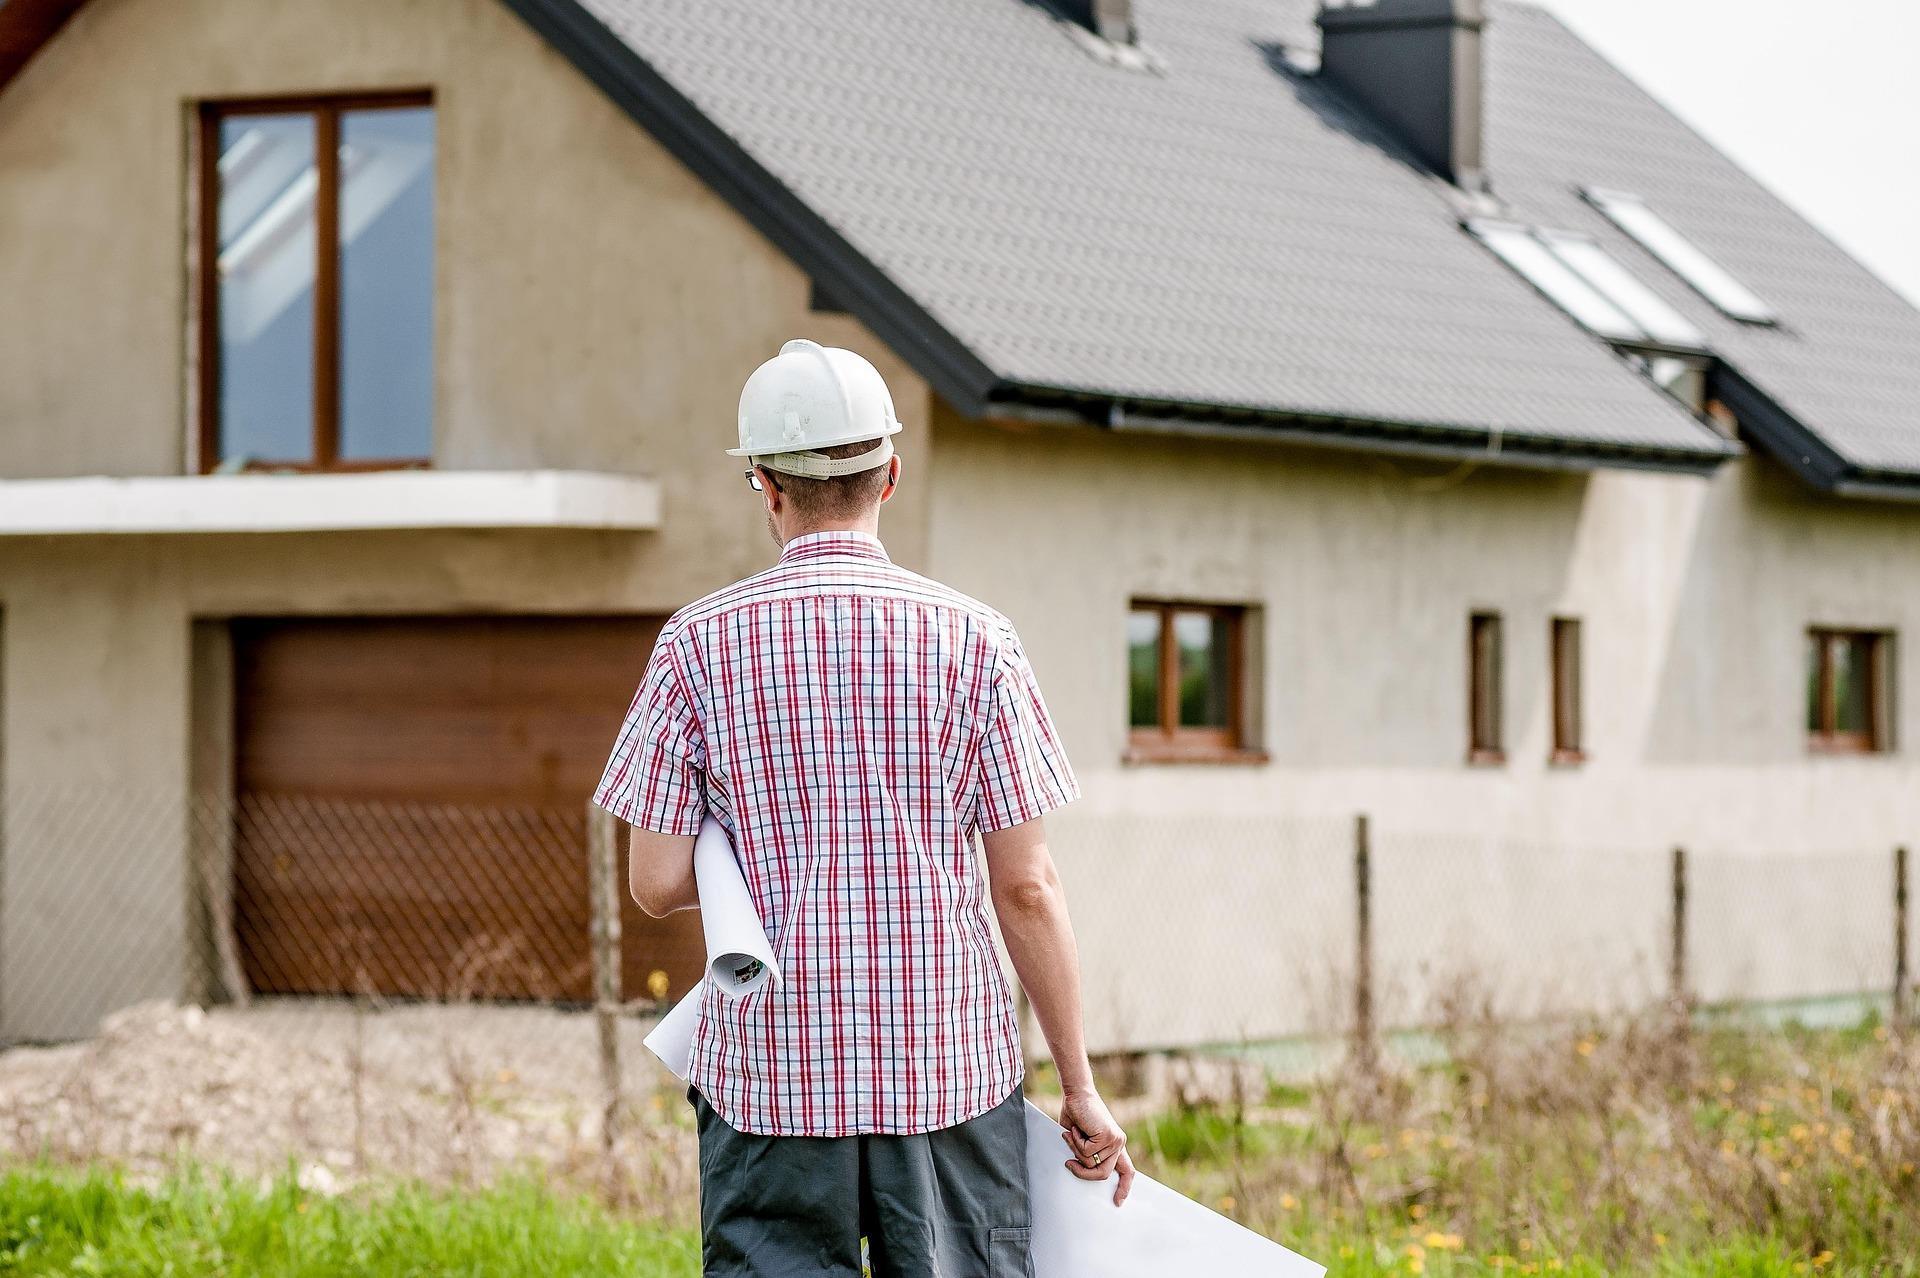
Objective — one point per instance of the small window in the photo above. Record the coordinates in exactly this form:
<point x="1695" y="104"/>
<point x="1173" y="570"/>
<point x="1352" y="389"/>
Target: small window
<point x="1483" y="689"/>
<point x="1564" y="638"/>
<point x="1634" y="216"/>
<point x="316" y="283"/>
<point x="1185" y="669"/>
<point x="1584" y="280"/>
<point x="1849" y="690"/>
<point x="1683" y="377"/>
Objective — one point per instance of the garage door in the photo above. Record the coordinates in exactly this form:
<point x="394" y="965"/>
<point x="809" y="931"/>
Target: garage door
<point x="411" y="811"/>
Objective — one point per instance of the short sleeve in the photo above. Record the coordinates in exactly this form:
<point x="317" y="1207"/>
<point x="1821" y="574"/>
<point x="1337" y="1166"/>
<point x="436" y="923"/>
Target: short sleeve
<point x="656" y="777"/>
<point x="1023" y="768"/>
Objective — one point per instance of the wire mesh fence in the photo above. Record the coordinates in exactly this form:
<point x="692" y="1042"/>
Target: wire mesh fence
<point x="371" y="954"/>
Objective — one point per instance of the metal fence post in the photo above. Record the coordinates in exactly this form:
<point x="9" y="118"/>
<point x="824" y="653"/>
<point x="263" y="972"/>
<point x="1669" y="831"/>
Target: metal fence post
<point x="1677" y="992"/>
<point x="1900" y="929"/>
<point x="1365" y="1053"/>
<point x="603" y="873"/>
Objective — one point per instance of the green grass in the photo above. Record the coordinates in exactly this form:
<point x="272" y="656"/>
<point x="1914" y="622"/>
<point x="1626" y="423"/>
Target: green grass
<point x="54" y="1221"/>
<point x="1632" y="1148"/>
<point x="57" y="1221"/>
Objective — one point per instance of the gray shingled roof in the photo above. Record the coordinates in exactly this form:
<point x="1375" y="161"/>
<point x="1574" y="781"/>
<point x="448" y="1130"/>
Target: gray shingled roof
<point x="1845" y="360"/>
<point x="1232" y="234"/>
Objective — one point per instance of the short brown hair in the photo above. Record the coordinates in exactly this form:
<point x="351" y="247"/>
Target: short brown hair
<point x="842" y="497"/>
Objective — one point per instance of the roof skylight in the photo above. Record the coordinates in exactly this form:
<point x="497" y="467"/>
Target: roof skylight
<point x="1584" y="281"/>
<point x="1634" y="216"/>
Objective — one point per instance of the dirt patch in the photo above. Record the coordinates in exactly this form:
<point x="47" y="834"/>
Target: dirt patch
<point x="445" y="1094"/>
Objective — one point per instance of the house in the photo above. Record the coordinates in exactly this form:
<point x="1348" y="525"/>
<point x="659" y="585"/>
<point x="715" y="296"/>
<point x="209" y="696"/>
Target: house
<point x="1384" y="409"/>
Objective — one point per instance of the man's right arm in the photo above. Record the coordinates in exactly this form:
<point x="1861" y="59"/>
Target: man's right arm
<point x="1032" y="910"/>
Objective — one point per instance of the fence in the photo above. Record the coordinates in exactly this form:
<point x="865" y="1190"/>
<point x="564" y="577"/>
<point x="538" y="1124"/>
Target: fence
<point x="335" y="924"/>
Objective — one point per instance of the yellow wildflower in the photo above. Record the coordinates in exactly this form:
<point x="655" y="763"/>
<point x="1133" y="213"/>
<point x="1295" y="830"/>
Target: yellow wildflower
<point x="1437" y="1241"/>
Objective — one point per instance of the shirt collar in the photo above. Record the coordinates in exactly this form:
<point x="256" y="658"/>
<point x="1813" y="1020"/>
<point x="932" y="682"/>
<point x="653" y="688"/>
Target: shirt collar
<point x="818" y="545"/>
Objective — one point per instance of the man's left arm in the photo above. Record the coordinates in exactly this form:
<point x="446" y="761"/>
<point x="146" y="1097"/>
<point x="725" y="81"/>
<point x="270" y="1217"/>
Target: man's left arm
<point x="660" y="872"/>
<point x="656" y="783"/>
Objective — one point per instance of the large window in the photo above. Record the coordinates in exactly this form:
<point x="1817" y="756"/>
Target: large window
<point x="1586" y="282"/>
<point x="1564" y="639"/>
<point x="316" y="282"/>
<point x="1849" y="690"/>
<point x="1484" y="662"/>
<point x="1186" y="667"/>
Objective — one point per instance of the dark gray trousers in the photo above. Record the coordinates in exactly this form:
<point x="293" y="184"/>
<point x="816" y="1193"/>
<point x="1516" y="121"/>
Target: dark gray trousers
<point x="945" y="1204"/>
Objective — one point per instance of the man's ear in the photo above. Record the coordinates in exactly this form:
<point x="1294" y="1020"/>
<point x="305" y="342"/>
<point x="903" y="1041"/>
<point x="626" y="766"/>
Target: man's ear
<point x="893" y="479"/>
<point x="770" y="492"/>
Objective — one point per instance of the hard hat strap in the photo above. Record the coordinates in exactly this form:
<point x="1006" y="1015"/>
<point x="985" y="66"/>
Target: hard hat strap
<point x="821" y="466"/>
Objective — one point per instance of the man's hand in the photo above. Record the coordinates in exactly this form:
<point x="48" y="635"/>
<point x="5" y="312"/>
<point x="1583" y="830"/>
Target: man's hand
<point x="1099" y="1146"/>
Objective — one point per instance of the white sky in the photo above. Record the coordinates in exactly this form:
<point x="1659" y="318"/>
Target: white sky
<point x="1819" y="99"/>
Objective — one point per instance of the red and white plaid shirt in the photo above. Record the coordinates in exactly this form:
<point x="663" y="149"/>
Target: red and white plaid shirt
<point x="853" y="725"/>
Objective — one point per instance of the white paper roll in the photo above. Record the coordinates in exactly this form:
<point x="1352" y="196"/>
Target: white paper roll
<point x="672" y="1039"/>
<point x="739" y="958"/>
<point x="1077" y="1231"/>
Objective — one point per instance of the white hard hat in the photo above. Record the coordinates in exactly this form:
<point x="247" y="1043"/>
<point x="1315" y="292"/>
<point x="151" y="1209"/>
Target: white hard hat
<point x="810" y="397"/>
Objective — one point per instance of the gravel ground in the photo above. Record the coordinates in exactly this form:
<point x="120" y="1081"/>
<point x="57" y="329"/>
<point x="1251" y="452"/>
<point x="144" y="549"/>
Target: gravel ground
<point x="446" y="1094"/>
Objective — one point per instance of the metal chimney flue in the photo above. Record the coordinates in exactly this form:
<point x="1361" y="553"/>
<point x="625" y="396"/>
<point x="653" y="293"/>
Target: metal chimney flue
<point x="1418" y="67"/>
<point x="1109" y="19"/>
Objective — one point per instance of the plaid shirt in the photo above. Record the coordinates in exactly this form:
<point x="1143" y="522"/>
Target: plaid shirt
<point x="853" y="725"/>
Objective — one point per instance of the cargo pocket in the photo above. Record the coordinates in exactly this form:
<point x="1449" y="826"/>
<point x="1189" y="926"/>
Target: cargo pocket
<point x="1008" y="1253"/>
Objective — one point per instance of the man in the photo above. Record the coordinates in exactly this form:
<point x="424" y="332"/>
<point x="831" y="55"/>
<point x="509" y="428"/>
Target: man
<point x="854" y="726"/>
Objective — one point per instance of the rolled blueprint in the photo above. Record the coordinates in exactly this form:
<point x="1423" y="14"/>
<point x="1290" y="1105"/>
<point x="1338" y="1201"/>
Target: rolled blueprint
<point x="1077" y="1231"/>
<point x="672" y="1039"/>
<point x="739" y="959"/>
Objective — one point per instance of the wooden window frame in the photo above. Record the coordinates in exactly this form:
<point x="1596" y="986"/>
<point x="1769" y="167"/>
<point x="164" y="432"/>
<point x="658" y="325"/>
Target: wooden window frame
<point x="1826" y="737"/>
<point x="1567" y="661"/>
<point x="1172" y="743"/>
<point x="326" y="110"/>
<point x="1486" y="744"/>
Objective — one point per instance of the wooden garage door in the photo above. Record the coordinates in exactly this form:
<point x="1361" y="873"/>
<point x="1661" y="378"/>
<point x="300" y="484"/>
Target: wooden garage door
<point x="411" y="815"/>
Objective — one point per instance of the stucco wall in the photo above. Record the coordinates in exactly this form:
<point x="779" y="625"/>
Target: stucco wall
<point x="1550" y="883"/>
<point x="596" y="308"/>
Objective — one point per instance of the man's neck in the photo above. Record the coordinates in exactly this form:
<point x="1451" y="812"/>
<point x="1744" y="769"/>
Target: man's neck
<point x="870" y="527"/>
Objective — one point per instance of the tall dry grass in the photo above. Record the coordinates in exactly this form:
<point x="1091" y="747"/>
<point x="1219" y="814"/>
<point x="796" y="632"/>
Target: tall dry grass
<point x="1635" y="1145"/>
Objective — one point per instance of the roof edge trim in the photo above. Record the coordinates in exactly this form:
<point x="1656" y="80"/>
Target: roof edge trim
<point x="1789" y="441"/>
<point x="1348" y="434"/>
<point x="633" y="85"/>
<point x="26" y="27"/>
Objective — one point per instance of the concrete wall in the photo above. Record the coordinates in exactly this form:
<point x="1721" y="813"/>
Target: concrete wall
<point x="1549" y="883"/>
<point x="597" y="308"/>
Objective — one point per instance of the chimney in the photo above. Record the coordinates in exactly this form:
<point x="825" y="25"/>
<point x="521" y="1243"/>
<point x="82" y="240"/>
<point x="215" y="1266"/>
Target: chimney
<point x="1416" y="66"/>
<point x="1111" y="20"/>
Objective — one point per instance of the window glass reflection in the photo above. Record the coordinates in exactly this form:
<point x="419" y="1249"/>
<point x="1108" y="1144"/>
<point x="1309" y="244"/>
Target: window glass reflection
<point x="266" y="266"/>
<point x="1143" y="669"/>
<point x="1202" y="641"/>
<point x="386" y="283"/>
